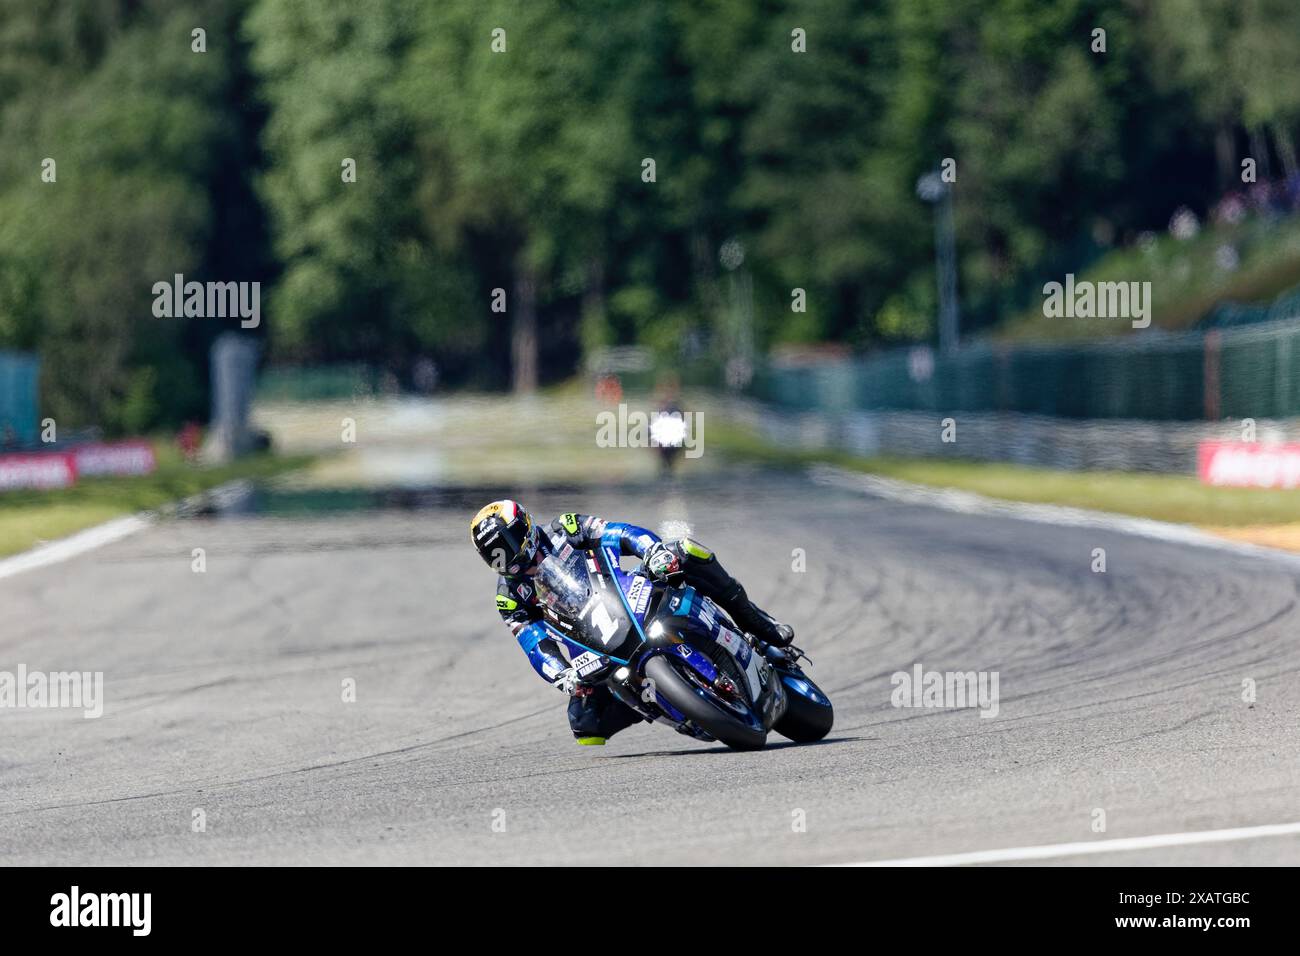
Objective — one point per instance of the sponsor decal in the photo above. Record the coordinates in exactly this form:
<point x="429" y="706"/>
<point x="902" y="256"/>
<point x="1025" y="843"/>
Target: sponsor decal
<point x="708" y="612"/>
<point x="755" y="676"/>
<point x="37" y="470"/>
<point x="638" y="595"/>
<point x="588" y="663"/>
<point x="115" y="458"/>
<point x="1249" y="465"/>
<point x="736" y="645"/>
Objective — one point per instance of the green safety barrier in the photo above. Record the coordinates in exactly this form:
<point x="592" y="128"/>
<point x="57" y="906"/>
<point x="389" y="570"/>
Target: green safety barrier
<point x="1236" y="370"/>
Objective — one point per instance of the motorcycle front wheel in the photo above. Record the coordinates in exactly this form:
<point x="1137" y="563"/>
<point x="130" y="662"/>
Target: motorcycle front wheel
<point x="699" y="706"/>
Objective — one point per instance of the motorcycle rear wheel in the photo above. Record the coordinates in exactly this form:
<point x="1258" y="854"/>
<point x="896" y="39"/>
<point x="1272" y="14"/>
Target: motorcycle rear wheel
<point x="804" y="721"/>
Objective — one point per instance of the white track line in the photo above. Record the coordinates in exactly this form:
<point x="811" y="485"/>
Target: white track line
<point x="71" y="546"/>
<point x="1056" y="850"/>
<point x="220" y="497"/>
<point x="968" y="502"/>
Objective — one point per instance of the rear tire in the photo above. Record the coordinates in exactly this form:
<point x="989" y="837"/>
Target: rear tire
<point x="804" y="721"/>
<point x="707" y="715"/>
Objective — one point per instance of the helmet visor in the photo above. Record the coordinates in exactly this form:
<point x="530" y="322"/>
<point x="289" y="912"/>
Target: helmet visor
<point x="530" y="545"/>
<point x="502" y="549"/>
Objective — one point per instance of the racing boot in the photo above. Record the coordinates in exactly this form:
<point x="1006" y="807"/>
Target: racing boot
<point x="703" y="570"/>
<point x="757" y="621"/>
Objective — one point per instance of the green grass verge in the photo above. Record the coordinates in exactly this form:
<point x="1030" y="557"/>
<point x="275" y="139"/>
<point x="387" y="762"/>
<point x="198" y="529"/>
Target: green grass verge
<point x="1186" y="280"/>
<point x="1179" y="499"/>
<point x="28" y="518"/>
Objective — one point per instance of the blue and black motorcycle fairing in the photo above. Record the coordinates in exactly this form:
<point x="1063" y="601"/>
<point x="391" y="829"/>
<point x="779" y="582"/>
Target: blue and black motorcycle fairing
<point x="673" y="655"/>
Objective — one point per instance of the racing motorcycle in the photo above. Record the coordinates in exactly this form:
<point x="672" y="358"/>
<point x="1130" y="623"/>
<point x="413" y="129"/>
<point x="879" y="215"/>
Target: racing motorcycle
<point x="673" y="655"/>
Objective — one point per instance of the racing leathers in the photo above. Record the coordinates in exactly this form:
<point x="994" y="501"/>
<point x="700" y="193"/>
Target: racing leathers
<point x="594" y="713"/>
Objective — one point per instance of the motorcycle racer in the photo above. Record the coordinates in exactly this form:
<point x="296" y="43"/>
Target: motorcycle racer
<point x="506" y="537"/>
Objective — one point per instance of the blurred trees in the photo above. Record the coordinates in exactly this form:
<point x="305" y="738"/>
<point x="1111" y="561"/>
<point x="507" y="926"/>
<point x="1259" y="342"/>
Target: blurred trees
<point x="151" y="152"/>
<point x="500" y="145"/>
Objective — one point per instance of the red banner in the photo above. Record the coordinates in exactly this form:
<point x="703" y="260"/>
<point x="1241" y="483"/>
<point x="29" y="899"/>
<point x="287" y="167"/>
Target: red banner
<point x="37" y="471"/>
<point x="1249" y="465"/>
<point x="115" y="458"/>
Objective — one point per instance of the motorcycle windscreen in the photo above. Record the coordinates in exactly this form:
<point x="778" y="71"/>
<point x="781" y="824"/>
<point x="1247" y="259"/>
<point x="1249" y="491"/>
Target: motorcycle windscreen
<point x="595" y="611"/>
<point x="563" y="584"/>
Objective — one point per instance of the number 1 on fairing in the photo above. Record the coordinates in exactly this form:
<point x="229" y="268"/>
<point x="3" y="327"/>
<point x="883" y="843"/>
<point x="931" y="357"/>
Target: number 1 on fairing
<point x="601" y="620"/>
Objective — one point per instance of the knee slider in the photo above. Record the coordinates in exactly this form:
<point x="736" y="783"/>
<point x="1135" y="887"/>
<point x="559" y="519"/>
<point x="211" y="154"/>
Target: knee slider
<point x="692" y="549"/>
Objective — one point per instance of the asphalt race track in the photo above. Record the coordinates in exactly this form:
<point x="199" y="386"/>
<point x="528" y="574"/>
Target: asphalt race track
<point x="1119" y="692"/>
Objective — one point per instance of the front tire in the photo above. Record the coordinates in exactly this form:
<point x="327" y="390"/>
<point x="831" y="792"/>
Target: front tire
<point x="699" y="709"/>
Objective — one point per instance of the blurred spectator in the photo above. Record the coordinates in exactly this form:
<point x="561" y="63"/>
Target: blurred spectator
<point x="425" y="375"/>
<point x="189" y="440"/>
<point x="1226" y="257"/>
<point x="1184" y="224"/>
<point x="1230" y="210"/>
<point x="609" y="389"/>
